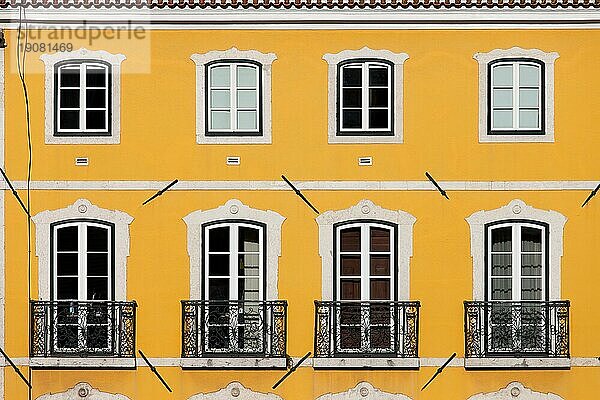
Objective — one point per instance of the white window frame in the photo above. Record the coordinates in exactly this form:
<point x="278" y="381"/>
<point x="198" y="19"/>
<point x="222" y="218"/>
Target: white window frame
<point x="547" y="61"/>
<point x="396" y="94"/>
<point x="233" y="55"/>
<point x="51" y="119"/>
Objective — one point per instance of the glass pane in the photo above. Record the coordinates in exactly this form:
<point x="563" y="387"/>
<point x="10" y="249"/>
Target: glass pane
<point x="531" y="289"/>
<point x="350" y="337"/>
<point x="502" y="98"/>
<point x="66" y="336"/>
<point x="501" y="264"/>
<point x="246" y="76"/>
<point x="246" y="120"/>
<point x="97" y="337"/>
<point x="528" y="118"/>
<point x="531" y="265"/>
<point x="97" y="238"/>
<point x="218" y="239"/>
<point x="218" y="264"/>
<point x="378" y="119"/>
<point x="97" y="288"/>
<point x="218" y="337"/>
<point x="69" y="98"/>
<point x="69" y="119"/>
<point x="528" y="97"/>
<point x="248" y="289"/>
<point x="380" y="289"/>
<point x="97" y="264"/>
<point x="67" y="288"/>
<point x="248" y="239"/>
<point x="380" y="265"/>
<point x="95" y="76"/>
<point x="350" y="239"/>
<point x="220" y="120"/>
<point x="218" y="289"/>
<point x="350" y="265"/>
<point x="352" y="98"/>
<point x="95" y="119"/>
<point x="531" y="239"/>
<point x="378" y="76"/>
<point x="502" y="289"/>
<point x="67" y="238"/>
<point x="381" y="337"/>
<point x="503" y="119"/>
<point x="502" y="239"/>
<point x="246" y="98"/>
<point x="67" y="264"/>
<point x="350" y="289"/>
<point x="219" y="76"/>
<point x="220" y="98"/>
<point x="351" y="119"/>
<point x="352" y="77"/>
<point x="380" y="239"/>
<point x="69" y="77"/>
<point x="378" y="97"/>
<point x="502" y="75"/>
<point x="95" y="98"/>
<point x="248" y="264"/>
<point x="529" y="75"/>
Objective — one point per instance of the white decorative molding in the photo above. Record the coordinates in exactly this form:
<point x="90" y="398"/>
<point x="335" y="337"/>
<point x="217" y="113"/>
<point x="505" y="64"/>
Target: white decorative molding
<point x="516" y="210"/>
<point x="82" y="362"/>
<point x="363" y="391"/>
<point x="265" y="60"/>
<point x="516" y="363"/>
<point x="237" y="391"/>
<point x="82" y="209"/>
<point x="516" y="52"/>
<point x="333" y="60"/>
<point x="82" y="391"/>
<point x="233" y="209"/>
<point x="515" y="391"/>
<point x="115" y="60"/>
<point x="234" y="363"/>
<point x="366" y="362"/>
<point x="366" y="210"/>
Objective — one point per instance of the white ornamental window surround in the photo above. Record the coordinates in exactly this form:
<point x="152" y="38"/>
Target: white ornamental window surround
<point x="516" y="95"/>
<point x="365" y="96"/>
<point x="82" y="391"/>
<point x="362" y="391"/>
<point x="233" y="96"/>
<point x="237" y="391"/>
<point x="515" y="391"/>
<point x="82" y="97"/>
<point x="82" y="212"/>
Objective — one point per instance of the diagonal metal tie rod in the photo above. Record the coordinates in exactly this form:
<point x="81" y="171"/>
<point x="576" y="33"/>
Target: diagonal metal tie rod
<point x="438" y="187"/>
<point x="284" y="377"/>
<point x="153" y="369"/>
<point x="160" y="192"/>
<point x="14" y="192"/>
<point x="299" y="193"/>
<point x="592" y="194"/>
<point x="17" y="370"/>
<point x="439" y="371"/>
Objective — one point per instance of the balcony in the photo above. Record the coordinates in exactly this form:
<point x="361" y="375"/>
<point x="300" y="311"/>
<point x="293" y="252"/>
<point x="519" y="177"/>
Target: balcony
<point x="83" y="334"/>
<point x="366" y="334"/>
<point x="234" y="334"/>
<point x="517" y="334"/>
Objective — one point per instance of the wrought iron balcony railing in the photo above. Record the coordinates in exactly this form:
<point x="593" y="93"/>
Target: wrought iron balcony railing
<point x="517" y="329"/>
<point x="82" y="329"/>
<point x="234" y="328"/>
<point x="366" y="329"/>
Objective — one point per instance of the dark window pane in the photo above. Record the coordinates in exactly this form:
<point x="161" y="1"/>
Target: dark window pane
<point x="218" y="289"/>
<point x="69" y="77"/>
<point x="218" y="264"/>
<point x="95" y="77"/>
<point x="248" y="264"/>
<point x="248" y="239"/>
<point x="352" y="77"/>
<point x="69" y="98"/>
<point x="218" y="239"/>
<point x="350" y="265"/>
<point x="97" y="264"/>
<point x="66" y="336"/>
<point x="380" y="265"/>
<point x="378" y="119"/>
<point x="380" y="289"/>
<point x="531" y="239"/>
<point x="378" y="97"/>
<point x="350" y="337"/>
<point x="378" y="76"/>
<point x="351" y="119"/>
<point x="218" y="337"/>
<point x="67" y="238"/>
<point x="349" y="313"/>
<point x="350" y="289"/>
<point x="95" y="98"/>
<point x="69" y="119"/>
<point x="248" y="289"/>
<point x="381" y="337"/>
<point x="97" y="288"/>
<point x="502" y="239"/>
<point x="95" y="119"/>
<point x="97" y="337"/>
<point x="67" y="313"/>
<point x="380" y="239"/>
<point x="352" y="98"/>
<point x="67" y="288"/>
<point x="66" y="264"/>
<point x="350" y="239"/>
<point x="97" y="238"/>
<point x="97" y="313"/>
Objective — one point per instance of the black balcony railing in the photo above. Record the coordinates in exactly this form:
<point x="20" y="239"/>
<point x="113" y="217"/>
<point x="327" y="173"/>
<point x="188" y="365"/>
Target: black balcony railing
<point x="82" y="329"/>
<point x="366" y="329"/>
<point x="517" y="329"/>
<point x="234" y="328"/>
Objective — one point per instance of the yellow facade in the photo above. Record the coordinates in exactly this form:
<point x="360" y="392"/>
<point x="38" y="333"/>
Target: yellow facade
<point x="440" y="115"/>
